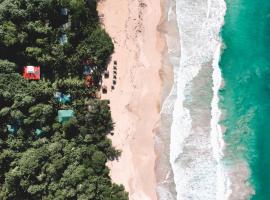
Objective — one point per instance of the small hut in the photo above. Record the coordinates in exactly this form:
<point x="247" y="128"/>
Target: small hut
<point x="62" y="98"/>
<point x="65" y="115"/>
<point x="31" y="72"/>
<point x="63" y="39"/>
<point x="66" y="25"/>
<point x="38" y="132"/>
<point x="87" y="70"/>
<point x="11" y="129"/>
<point x="88" y="81"/>
<point x="64" y="11"/>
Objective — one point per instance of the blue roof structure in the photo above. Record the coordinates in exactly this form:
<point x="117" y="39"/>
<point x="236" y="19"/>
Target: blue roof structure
<point x="38" y="132"/>
<point x="65" y="115"/>
<point x="87" y="70"/>
<point x="64" y="11"/>
<point x="63" y="39"/>
<point x="11" y="129"/>
<point x="62" y="98"/>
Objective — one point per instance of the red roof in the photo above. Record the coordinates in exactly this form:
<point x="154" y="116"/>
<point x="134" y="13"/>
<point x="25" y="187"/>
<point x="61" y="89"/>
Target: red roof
<point x="31" y="72"/>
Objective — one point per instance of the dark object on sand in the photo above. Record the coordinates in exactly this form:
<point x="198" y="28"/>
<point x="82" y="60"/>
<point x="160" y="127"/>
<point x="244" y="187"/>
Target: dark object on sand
<point x="112" y="87"/>
<point x="114" y="82"/>
<point x="106" y="74"/>
<point x="115" y="62"/>
<point x="104" y="89"/>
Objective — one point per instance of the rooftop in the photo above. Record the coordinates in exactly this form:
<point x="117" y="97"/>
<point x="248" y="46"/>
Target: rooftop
<point x="65" y="115"/>
<point x="31" y="72"/>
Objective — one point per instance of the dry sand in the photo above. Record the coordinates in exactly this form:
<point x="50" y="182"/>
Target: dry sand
<point x="135" y="101"/>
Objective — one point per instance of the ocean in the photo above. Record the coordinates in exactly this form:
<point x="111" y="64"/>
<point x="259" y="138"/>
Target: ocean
<point x="245" y="65"/>
<point x="214" y="134"/>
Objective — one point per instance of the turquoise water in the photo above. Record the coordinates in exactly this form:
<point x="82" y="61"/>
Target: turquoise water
<point x="245" y="66"/>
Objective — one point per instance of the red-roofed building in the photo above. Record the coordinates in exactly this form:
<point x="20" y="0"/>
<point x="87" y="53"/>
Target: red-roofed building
<point x="31" y="72"/>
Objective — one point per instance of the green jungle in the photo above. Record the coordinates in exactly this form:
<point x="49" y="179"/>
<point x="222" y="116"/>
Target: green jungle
<point x="53" y="127"/>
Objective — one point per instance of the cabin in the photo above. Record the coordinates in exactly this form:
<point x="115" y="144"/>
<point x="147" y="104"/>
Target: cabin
<point x="87" y="70"/>
<point x="63" y="39"/>
<point x="11" y="129"/>
<point x="31" y="72"/>
<point x="38" y="132"/>
<point x="62" y="98"/>
<point x="66" y="25"/>
<point x="64" y="11"/>
<point x="88" y="81"/>
<point x="65" y="115"/>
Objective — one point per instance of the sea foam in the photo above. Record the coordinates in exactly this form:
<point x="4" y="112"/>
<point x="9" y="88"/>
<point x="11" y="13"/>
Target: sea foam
<point x="223" y="181"/>
<point x="196" y="149"/>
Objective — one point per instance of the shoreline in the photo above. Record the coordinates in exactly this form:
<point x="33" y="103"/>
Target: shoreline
<point x="199" y="27"/>
<point x="136" y="99"/>
<point x="169" y="28"/>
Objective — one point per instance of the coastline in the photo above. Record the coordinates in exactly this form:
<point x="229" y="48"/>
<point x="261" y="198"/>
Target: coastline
<point x="196" y="177"/>
<point x="135" y="102"/>
<point x="164" y="173"/>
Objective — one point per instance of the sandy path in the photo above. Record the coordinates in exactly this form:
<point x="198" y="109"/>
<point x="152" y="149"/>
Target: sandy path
<point x="135" y="101"/>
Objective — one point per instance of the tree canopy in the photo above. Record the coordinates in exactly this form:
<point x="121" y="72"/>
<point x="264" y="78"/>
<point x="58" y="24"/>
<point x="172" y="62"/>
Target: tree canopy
<point x="41" y="158"/>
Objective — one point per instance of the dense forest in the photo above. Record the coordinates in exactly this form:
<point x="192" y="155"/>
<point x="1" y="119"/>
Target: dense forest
<point x="53" y="130"/>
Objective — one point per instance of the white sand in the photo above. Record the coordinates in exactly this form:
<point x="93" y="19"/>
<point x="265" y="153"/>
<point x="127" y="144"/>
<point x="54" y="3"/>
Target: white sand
<point x="135" y="101"/>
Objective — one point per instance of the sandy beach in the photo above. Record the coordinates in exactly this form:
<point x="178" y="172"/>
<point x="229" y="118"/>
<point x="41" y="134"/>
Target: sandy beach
<point x="135" y="100"/>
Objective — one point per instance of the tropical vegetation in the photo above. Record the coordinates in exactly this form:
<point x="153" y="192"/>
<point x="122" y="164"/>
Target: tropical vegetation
<point x="41" y="157"/>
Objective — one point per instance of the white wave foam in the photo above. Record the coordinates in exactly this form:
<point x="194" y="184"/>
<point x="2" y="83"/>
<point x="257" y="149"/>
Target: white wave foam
<point x="199" y="24"/>
<point x="223" y="182"/>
